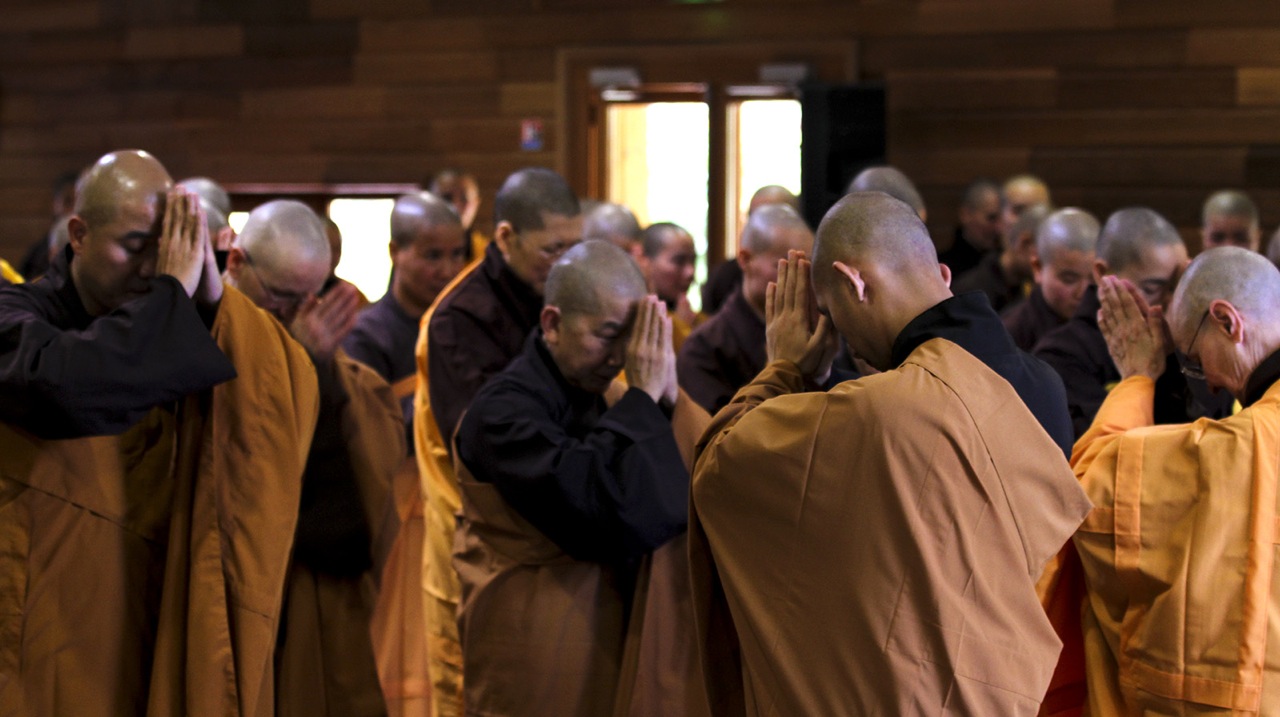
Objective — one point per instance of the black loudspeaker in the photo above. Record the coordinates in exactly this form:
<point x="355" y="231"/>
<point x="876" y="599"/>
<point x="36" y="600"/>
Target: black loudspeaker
<point x="843" y="133"/>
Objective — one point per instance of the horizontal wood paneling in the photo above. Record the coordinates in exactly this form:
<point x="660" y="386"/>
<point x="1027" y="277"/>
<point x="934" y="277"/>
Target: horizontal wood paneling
<point x="1113" y="102"/>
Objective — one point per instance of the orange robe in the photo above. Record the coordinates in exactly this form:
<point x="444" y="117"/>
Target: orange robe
<point x="201" y="502"/>
<point x="1182" y="616"/>
<point x="326" y="663"/>
<point x="873" y="549"/>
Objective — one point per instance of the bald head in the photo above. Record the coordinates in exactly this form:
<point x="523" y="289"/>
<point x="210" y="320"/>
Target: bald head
<point x="419" y="212"/>
<point x="1230" y="218"/>
<point x="1066" y="230"/>
<point x="128" y="178"/>
<point x="613" y="223"/>
<point x="766" y="226"/>
<point x="1024" y="190"/>
<point x="1129" y="232"/>
<point x="590" y="275"/>
<point x="773" y="194"/>
<point x="211" y="193"/>
<point x="530" y="193"/>
<point x="1244" y="278"/>
<point x="1273" y="248"/>
<point x="891" y="181"/>
<point x="877" y="229"/>
<point x="284" y="232"/>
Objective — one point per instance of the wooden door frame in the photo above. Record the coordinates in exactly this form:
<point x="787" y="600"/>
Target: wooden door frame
<point x="718" y="66"/>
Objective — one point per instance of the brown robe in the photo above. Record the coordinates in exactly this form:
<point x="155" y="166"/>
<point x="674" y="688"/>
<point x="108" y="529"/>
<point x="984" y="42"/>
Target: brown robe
<point x="1179" y="557"/>
<point x="561" y="625"/>
<point x="200" y="504"/>
<point x="873" y="550"/>
<point x="326" y="663"/>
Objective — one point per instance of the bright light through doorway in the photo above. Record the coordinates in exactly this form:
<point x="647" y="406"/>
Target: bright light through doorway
<point x="366" y="234"/>
<point x="768" y="151"/>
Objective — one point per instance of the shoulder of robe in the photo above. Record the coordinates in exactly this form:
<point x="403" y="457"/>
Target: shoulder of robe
<point x="256" y="342"/>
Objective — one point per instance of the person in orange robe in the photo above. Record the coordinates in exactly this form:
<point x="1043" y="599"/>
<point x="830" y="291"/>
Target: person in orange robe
<point x="1179" y="551"/>
<point x="873" y="549"/>
<point x="325" y="661"/>
<point x="153" y="426"/>
<point x="669" y="259"/>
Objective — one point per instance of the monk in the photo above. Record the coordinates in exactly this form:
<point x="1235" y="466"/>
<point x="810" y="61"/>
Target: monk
<point x="565" y="497"/>
<point x="1230" y="218"/>
<point x="1142" y="247"/>
<point x="1004" y="275"/>
<point x="1020" y="192"/>
<point x="612" y="222"/>
<point x="324" y="658"/>
<point x="893" y="182"/>
<point x="460" y="190"/>
<point x="873" y="549"/>
<point x="725" y="278"/>
<point x="1065" y="248"/>
<point x="149" y="502"/>
<point x="723" y="354"/>
<point x="428" y="248"/>
<point x="476" y="327"/>
<point x="1178" y="554"/>
<point x="978" y="231"/>
<point x="669" y="260"/>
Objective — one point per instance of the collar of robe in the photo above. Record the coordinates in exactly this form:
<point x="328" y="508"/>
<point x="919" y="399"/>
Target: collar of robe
<point x="1263" y="377"/>
<point x="966" y="320"/>
<point x="64" y="289"/>
<point x="547" y="363"/>
<point x="1087" y="311"/>
<point x="522" y="300"/>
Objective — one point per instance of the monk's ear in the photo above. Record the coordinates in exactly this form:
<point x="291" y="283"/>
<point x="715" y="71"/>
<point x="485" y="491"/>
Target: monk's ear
<point x="1229" y="318"/>
<point x="77" y="230"/>
<point x="945" y="271"/>
<point x="855" y="279"/>
<point x="391" y="251"/>
<point x="505" y="235"/>
<point x="744" y="258"/>
<point x="1036" y="268"/>
<point x="1100" y="269"/>
<point x="549" y="320"/>
<point x="235" y="262"/>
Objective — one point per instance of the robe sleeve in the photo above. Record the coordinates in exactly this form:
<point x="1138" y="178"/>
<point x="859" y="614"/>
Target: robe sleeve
<point x="462" y="356"/>
<point x="616" y="493"/>
<point x="62" y="383"/>
<point x="778" y="378"/>
<point x="701" y="375"/>
<point x="1131" y="404"/>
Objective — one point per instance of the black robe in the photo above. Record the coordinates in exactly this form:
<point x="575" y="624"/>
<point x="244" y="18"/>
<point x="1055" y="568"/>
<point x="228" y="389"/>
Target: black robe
<point x="1078" y="352"/>
<point x="475" y="331"/>
<point x="969" y="322"/>
<point x="605" y="484"/>
<point x="723" y="354"/>
<point x="1028" y="321"/>
<point x="384" y="339"/>
<point x="66" y="374"/>
<point x="961" y="256"/>
<point x="989" y="278"/>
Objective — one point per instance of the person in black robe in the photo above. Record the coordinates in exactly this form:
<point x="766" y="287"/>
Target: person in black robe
<point x="978" y="232"/>
<point x="1142" y="247"/>
<point x="1004" y="276"/>
<point x="1066" y="244"/>
<point x="481" y="324"/>
<point x="727" y="351"/>
<point x="114" y="329"/>
<point x="428" y="248"/>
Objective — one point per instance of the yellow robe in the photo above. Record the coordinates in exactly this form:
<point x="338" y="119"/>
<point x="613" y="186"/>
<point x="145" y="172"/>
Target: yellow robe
<point x="204" y="500"/>
<point x="873" y="549"/>
<point x="9" y="274"/>
<point x="1183" y="611"/>
<point x="327" y="664"/>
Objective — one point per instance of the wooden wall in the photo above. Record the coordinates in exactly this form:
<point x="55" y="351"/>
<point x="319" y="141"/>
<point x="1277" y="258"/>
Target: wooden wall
<point x="1114" y="102"/>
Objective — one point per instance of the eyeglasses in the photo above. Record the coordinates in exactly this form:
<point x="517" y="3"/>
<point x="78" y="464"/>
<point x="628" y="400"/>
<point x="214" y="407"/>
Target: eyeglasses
<point x="1193" y="369"/>
<point x="280" y="298"/>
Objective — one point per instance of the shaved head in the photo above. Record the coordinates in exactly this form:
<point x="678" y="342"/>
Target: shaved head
<point x="127" y="177"/>
<point x="1230" y="218"/>
<point x="874" y="270"/>
<point x="211" y="193"/>
<point x="1242" y="277"/>
<point x="529" y="193"/>
<point x="1129" y="231"/>
<point x="977" y="192"/>
<point x="772" y="194"/>
<point x="284" y="232"/>
<point x="1069" y="229"/>
<point x="1024" y="190"/>
<point x="418" y="212"/>
<point x="891" y="181"/>
<point x="613" y="223"/>
<point x="876" y="228"/>
<point x="1273" y="248"/>
<point x="765" y="225"/>
<point x="591" y="273"/>
<point x="1229" y="203"/>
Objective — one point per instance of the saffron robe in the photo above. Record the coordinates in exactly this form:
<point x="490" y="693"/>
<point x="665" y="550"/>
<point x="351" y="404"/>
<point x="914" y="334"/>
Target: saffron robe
<point x="873" y="549"/>
<point x="142" y="572"/>
<point x="325" y="662"/>
<point x="573" y="521"/>
<point x="1179" y="557"/>
<point x="476" y="326"/>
